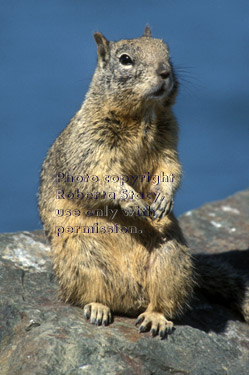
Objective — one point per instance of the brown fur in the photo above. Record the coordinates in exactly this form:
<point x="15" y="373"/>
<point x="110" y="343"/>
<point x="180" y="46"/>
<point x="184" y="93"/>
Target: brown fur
<point x="124" y="127"/>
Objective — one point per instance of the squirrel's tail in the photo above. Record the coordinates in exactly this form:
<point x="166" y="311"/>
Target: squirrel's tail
<point x="223" y="282"/>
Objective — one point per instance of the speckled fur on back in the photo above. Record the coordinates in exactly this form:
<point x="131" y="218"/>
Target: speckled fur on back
<point x="125" y="127"/>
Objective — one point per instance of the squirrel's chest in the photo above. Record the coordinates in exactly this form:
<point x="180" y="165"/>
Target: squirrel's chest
<point x="131" y="137"/>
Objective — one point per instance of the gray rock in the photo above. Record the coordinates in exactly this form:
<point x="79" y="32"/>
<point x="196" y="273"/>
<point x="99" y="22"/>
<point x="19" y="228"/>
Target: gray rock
<point x="40" y="335"/>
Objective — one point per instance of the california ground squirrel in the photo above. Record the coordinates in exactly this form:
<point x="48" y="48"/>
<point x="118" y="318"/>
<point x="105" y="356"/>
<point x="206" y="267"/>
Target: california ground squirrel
<point x="106" y="194"/>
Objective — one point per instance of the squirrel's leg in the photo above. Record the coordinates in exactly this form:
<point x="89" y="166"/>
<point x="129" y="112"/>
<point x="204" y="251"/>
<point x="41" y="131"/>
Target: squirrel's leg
<point x="93" y="274"/>
<point x="170" y="283"/>
<point x="83" y="272"/>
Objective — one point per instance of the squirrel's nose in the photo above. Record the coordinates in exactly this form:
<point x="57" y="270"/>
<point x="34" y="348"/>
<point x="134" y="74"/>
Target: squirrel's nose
<point x="163" y="71"/>
<point x="164" y="74"/>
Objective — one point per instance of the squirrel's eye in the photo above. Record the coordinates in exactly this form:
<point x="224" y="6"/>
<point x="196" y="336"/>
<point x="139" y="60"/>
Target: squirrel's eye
<point x="125" y="59"/>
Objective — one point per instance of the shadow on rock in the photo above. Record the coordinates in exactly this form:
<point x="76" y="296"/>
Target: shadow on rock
<point x="223" y="290"/>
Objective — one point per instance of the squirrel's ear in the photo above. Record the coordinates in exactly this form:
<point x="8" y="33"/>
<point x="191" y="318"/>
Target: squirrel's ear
<point x="102" y="44"/>
<point x="147" y="31"/>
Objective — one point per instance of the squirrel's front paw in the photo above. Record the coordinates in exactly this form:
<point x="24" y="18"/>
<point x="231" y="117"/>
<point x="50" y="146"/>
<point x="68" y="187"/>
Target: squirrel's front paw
<point x="154" y="322"/>
<point x="162" y="207"/>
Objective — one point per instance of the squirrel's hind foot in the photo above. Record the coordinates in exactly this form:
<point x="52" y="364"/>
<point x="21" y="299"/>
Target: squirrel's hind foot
<point x="98" y="314"/>
<point x="156" y="323"/>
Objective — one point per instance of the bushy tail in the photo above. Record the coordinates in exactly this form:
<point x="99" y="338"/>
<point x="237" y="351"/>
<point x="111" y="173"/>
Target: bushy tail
<point x="221" y="281"/>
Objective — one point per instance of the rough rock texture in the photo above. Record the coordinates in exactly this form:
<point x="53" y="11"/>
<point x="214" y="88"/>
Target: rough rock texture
<point x="40" y="335"/>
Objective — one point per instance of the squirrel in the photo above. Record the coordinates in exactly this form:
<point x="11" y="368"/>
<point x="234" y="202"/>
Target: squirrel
<point x="106" y="197"/>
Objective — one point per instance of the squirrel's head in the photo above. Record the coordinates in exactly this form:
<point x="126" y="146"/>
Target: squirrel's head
<point x="135" y="70"/>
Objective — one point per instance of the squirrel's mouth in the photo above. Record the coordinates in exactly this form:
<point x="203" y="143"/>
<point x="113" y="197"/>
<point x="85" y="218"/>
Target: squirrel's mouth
<point x="164" y="89"/>
<point x="160" y="91"/>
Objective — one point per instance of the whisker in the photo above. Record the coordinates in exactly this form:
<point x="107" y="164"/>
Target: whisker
<point x="188" y="80"/>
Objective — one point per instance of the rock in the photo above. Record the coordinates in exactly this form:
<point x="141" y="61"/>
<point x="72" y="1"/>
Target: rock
<point x="40" y="335"/>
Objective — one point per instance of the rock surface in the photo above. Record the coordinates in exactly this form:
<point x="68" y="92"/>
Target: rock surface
<point x="40" y="335"/>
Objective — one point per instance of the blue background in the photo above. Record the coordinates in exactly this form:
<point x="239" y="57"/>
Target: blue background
<point x="47" y="58"/>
